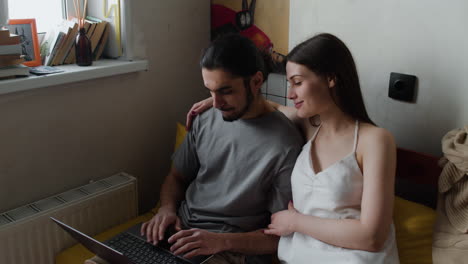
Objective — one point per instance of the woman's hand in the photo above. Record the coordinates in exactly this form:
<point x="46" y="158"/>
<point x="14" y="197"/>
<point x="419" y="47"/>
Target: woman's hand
<point x="282" y="223"/>
<point x="197" y="109"/>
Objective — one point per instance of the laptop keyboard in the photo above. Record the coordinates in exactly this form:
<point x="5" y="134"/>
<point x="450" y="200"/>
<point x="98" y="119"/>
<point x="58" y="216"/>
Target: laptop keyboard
<point x="141" y="252"/>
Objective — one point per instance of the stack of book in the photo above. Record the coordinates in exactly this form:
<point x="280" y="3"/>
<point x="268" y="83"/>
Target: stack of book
<point x="58" y="42"/>
<point x="97" y="31"/>
<point x="10" y="56"/>
<point x="58" y="46"/>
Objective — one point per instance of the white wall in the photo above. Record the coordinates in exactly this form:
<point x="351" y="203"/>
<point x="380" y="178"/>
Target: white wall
<point x="426" y="38"/>
<point x="56" y="138"/>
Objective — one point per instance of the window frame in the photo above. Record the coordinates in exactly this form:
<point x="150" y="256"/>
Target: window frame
<point x="101" y="68"/>
<point x="126" y="37"/>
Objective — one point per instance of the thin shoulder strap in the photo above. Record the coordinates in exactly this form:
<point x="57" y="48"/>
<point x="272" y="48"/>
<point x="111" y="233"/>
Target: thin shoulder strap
<point x="315" y="134"/>
<point x="356" y="129"/>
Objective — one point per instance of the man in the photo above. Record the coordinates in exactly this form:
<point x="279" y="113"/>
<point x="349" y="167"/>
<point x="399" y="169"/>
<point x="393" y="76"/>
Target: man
<point x="233" y="169"/>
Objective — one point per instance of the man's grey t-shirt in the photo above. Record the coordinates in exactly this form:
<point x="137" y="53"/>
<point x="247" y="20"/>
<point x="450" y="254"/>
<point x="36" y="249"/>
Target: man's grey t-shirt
<point x="239" y="171"/>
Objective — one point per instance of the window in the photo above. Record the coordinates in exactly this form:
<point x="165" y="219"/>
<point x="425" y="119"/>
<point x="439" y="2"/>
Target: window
<point x="47" y="13"/>
<point x="50" y="13"/>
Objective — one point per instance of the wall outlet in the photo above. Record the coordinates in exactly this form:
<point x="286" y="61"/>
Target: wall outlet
<point x="402" y="87"/>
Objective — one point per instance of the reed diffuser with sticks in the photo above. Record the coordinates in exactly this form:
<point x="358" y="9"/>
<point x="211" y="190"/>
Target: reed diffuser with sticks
<point x="84" y="54"/>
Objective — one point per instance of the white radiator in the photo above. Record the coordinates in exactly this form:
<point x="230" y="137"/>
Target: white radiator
<point x="28" y="236"/>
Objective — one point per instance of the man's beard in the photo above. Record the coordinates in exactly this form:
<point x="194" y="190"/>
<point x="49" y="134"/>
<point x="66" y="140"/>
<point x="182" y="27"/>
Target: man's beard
<point x="248" y="103"/>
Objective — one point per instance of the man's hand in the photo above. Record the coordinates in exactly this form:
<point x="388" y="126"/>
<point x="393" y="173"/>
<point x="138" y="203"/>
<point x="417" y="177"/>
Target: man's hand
<point x="282" y="222"/>
<point x="196" y="242"/>
<point x="154" y="229"/>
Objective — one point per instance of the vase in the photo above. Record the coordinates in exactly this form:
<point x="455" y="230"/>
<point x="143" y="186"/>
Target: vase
<point x="84" y="55"/>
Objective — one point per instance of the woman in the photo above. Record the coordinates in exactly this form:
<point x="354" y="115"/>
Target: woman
<point x="343" y="180"/>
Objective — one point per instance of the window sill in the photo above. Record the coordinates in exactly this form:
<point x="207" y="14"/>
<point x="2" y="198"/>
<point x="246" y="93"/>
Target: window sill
<point x="73" y="73"/>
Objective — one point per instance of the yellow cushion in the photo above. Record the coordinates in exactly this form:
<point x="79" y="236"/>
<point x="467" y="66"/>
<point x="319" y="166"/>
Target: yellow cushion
<point x="414" y="226"/>
<point x="180" y="135"/>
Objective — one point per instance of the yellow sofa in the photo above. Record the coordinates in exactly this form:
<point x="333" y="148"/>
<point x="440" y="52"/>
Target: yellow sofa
<point x="413" y="223"/>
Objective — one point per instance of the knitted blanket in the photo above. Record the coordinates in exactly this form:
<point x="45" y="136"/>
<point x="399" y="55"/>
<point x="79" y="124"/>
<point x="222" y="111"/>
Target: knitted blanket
<point x="450" y="238"/>
<point x="453" y="181"/>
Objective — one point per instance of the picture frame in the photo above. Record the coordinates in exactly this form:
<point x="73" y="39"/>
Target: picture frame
<point x="27" y="30"/>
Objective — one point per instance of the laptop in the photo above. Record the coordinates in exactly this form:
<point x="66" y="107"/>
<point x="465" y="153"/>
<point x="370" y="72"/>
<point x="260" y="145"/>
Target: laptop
<point x="129" y="247"/>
